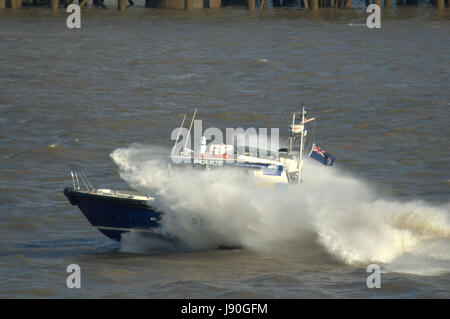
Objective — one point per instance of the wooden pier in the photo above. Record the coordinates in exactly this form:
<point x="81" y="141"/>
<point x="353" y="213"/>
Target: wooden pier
<point x="252" y="5"/>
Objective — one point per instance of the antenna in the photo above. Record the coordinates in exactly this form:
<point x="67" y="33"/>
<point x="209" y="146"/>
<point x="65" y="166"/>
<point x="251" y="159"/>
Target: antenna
<point x="190" y="127"/>
<point x="291" y="137"/>
<point x="300" y="154"/>
<point x="179" y="130"/>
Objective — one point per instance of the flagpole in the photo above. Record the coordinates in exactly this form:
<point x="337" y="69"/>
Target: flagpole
<point x="291" y="137"/>
<point x="300" y="154"/>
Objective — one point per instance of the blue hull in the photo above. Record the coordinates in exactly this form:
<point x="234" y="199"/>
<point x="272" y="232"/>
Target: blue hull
<point x="115" y="216"/>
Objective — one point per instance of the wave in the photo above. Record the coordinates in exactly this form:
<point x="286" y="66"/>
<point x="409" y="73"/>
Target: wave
<point x="330" y="211"/>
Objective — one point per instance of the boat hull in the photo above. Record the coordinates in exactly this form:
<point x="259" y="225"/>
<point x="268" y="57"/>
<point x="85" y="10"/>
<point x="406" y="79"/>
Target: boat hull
<point x="114" y="216"/>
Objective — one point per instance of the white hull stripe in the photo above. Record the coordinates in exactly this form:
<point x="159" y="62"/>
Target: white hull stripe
<point x="125" y="229"/>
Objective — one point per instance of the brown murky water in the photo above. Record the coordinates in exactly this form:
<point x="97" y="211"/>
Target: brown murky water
<point x="69" y="98"/>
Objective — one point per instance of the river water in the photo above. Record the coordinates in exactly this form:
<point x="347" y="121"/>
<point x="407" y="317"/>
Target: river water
<point x="70" y="98"/>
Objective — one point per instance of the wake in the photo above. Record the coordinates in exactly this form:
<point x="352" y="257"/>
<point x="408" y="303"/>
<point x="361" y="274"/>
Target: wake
<point x="330" y="211"/>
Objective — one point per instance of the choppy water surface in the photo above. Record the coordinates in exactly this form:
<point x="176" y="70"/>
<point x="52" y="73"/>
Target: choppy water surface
<point x="70" y="98"/>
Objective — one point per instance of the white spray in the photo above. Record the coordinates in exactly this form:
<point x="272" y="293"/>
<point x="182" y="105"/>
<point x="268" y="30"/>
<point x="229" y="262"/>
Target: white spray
<point x="329" y="211"/>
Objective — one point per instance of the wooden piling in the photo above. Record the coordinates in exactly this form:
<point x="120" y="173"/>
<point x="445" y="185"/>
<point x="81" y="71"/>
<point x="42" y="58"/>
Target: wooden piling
<point x="16" y="4"/>
<point x="214" y="4"/>
<point x="305" y="4"/>
<point x="348" y="4"/>
<point x="263" y="5"/>
<point x="314" y="5"/>
<point x="251" y="5"/>
<point x="121" y="5"/>
<point x="440" y="4"/>
<point x="188" y="4"/>
<point x="388" y="3"/>
<point x="54" y="4"/>
<point x="2" y="4"/>
<point x="377" y="2"/>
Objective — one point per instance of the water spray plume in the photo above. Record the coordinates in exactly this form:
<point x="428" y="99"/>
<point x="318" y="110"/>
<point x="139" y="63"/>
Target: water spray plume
<point x="331" y="211"/>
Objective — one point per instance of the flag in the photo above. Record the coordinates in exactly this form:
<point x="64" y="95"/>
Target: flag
<point x="318" y="154"/>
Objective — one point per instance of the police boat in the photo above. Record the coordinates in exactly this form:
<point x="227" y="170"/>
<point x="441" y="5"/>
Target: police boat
<point x="115" y="212"/>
